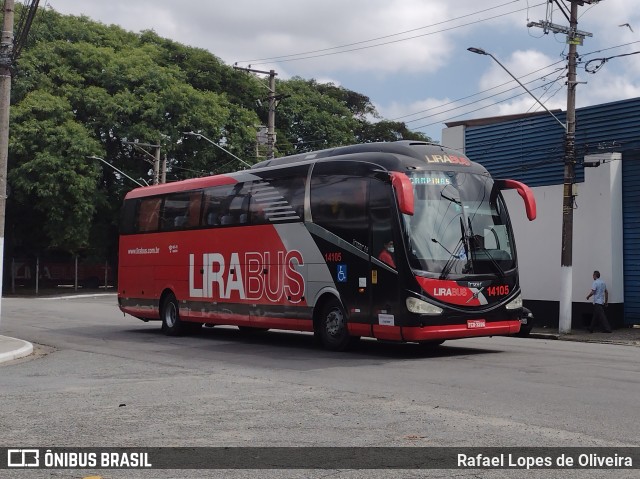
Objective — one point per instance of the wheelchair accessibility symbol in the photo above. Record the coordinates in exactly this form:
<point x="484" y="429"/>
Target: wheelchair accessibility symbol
<point x="342" y="273"/>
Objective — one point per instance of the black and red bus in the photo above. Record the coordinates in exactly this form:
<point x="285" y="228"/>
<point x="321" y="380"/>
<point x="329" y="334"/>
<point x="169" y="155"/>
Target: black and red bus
<point x="402" y="241"/>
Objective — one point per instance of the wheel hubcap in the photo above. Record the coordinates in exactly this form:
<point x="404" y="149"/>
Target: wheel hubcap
<point x="170" y="315"/>
<point x="334" y="322"/>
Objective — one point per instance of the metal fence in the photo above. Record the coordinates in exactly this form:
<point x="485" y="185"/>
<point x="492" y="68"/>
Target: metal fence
<point x="44" y="273"/>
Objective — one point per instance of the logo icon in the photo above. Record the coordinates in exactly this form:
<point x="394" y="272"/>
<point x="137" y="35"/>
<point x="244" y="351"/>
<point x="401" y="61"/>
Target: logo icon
<point x="23" y="458"/>
<point x="342" y="273"/>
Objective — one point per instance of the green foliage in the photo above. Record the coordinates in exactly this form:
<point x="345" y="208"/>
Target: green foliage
<point x="387" y="131"/>
<point x="85" y="89"/>
<point x="311" y="119"/>
<point x="52" y="184"/>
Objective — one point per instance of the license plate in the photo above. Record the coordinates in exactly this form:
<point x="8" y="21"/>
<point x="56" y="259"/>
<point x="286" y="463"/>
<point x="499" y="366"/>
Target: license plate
<point x="476" y="323"/>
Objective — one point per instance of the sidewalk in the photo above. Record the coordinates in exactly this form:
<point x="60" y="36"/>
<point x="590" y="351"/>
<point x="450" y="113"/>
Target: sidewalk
<point x="627" y="336"/>
<point x="12" y="348"/>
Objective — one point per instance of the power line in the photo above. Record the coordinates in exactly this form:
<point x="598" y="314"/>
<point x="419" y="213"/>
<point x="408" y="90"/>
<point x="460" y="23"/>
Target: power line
<point x="477" y="109"/>
<point x="452" y="102"/>
<point x="609" y="48"/>
<point x="377" y="38"/>
<point x="603" y="61"/>
<point x="483" y="98"/>
<point x="312" y="54"/>
<point x="481" y="92"/>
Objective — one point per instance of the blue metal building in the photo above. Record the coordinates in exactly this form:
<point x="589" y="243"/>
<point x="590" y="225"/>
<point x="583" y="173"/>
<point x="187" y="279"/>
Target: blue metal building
<point x="530" y="148"/>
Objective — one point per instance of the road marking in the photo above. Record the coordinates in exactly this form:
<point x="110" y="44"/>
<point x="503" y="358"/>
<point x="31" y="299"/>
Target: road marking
<point x="76" y="296"/>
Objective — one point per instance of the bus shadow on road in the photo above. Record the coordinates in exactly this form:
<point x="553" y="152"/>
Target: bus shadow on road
<point x="272" y="343"/>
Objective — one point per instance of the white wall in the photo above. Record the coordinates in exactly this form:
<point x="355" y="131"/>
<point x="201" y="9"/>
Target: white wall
<point x="597" y="231"/>
<point x="597" y="235"/>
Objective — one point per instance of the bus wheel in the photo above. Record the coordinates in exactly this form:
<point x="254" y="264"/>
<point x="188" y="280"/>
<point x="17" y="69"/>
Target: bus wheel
<point x="171" y="324"/>
<point x="332" y="327"/>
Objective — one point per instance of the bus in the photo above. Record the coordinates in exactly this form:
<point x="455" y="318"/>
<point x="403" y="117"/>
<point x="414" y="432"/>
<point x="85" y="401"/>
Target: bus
<point x="399" y="241"/>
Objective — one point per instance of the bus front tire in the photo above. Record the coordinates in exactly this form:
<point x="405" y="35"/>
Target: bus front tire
<point x="171" y="324"/>
<point x="332" y="329"/>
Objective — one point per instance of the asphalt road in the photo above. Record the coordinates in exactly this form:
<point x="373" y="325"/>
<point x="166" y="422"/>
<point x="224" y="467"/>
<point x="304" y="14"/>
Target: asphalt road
<point x="101" y="379"/>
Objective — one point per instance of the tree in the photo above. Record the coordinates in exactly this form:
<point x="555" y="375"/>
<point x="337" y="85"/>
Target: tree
<point x="308" y="119"/>
<point x="387" y="131"/>
<point x="83" y="89"/>
<point x="53" y="187"/>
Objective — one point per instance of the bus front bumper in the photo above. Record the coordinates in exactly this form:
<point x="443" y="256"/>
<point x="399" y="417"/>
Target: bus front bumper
<point x="458" y="331"/>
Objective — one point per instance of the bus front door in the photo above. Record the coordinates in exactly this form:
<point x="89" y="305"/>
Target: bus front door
<point x="383" y="293"/>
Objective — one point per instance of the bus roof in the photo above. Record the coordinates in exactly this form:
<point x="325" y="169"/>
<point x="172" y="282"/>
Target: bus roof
<point x="425" y="153"/>
<point x="183" y="185"/>
<point x="394" y="156"/>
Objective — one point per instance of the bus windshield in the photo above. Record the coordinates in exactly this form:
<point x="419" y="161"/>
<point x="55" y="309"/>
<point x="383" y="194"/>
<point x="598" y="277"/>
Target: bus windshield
<point x="460" y="225"/>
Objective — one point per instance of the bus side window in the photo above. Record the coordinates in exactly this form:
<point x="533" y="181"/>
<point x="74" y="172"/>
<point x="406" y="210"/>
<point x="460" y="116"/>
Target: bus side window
<point x="175" y="212"/>
<point x="339" y="204"/>
<point x="216" y="204"/>
<point x="195" y="205"/>
<point x="238" y="211"/>
<point x="278" y="199"/>
<point x="148" y="214"/>
<point x="292" y="190"/>
<point x="129" y="217"/>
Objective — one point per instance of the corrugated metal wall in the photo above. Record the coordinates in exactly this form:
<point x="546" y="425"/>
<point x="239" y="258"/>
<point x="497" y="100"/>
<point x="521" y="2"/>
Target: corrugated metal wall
<point x="529" y="150"/>
<point x="631" y="219"/>
<point x="532" y="150"/>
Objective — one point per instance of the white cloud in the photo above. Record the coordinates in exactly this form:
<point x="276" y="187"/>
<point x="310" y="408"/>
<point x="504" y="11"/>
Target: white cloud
<point x="401" y="77"/>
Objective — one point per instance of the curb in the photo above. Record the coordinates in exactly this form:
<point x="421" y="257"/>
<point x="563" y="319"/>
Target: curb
<point x="22" y="349"/>
<point x="544" y="335"/>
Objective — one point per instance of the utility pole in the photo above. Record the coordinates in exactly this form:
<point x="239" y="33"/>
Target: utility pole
<point x="6" y="60"/>
<point x="566" y="262"/>
<point x="157" y="179"/>
<point x="163" y="179"/>
<point x="273" y="103"/>
<point x="574" y="38"/>
<point x="156" y="166"/>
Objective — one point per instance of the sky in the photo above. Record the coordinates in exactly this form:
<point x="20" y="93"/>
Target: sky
<point x="408" y="56"/>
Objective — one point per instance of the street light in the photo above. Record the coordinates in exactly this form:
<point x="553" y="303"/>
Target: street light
<point x="566" y="260"/>
<point x="119" y="171"/>
<point x="198" y="135"/>
<point x="480" y="51"/>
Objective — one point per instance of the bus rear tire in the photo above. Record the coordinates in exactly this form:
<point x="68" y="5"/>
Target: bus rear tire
<point x="171" y="324"/>
<point x="331" y="329"/>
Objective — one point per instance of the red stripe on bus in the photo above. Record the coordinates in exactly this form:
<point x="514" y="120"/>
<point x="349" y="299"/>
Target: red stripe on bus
<point x="229" y="319"/>
<point x="185" y="185"/>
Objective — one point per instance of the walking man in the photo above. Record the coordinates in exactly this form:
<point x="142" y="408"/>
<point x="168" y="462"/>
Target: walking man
<point x="600" y="301"/>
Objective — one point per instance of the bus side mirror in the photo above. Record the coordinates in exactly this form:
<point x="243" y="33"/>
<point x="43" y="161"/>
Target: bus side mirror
<point x="404" y="192"/>
<point x="524" y="191"/>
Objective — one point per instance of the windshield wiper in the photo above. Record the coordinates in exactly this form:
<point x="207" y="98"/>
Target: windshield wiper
<point x="443" y="246"/>
<point x="455" y="255"/>
<point x="497" y="267"/>
<point x="453" y="200"/>
<point x="475" y="243"/>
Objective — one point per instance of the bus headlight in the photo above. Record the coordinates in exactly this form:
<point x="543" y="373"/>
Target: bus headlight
<point x="415" y="305"/>
<point x="515" y="303"/>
